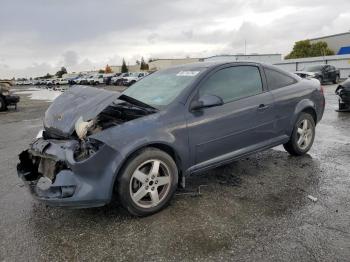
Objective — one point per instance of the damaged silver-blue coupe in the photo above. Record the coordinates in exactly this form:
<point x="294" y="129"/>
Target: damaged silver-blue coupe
<point x="142" y="143"/>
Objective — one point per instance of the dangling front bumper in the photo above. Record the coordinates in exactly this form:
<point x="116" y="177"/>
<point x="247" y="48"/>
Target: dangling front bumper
<point x="53" y="176"/>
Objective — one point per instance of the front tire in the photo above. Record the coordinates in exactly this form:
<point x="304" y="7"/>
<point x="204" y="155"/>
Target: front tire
<point x="148" y="182"/>
<point x="302" y="137"/>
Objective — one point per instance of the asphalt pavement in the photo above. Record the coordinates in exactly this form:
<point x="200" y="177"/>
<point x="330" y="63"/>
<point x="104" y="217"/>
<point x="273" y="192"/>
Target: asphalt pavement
<point x="255" y="209"/>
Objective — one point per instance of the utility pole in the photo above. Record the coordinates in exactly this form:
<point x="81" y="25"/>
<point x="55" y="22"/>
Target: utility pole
<point x="245" y="47"/>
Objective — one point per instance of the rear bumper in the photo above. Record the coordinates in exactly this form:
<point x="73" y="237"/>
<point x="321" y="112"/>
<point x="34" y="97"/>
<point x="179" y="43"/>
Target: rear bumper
<point x="62" y="181"/>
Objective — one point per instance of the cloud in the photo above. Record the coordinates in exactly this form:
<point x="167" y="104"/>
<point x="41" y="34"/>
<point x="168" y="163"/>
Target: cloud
<point x="70" y="58"/>
<point x="40" y="36"/>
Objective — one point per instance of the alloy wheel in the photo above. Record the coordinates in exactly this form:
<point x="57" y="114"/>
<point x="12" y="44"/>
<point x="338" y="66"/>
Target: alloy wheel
<point x="150" y="183"/>
<point x="304" y="134"/>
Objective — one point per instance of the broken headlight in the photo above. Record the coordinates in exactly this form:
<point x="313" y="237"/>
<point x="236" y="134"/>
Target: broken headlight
<point x="82" y="127"/>
<point x="86" y="148"/>
<point x="40" y="134"/>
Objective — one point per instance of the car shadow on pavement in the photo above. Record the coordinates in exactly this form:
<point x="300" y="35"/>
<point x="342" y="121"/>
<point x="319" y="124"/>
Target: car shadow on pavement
<point x="249" y="195"/>
<point x="271" y="180"/>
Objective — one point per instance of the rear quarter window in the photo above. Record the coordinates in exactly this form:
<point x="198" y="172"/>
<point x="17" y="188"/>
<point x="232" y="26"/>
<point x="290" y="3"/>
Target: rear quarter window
<point x="277" y="79"/>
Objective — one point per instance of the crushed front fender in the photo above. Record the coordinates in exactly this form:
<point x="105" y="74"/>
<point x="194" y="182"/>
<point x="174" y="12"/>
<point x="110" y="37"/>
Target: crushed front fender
<point x="52" y="175"/>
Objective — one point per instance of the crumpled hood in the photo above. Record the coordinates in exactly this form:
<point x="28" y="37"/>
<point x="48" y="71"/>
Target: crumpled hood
<point x="78" y="101"/>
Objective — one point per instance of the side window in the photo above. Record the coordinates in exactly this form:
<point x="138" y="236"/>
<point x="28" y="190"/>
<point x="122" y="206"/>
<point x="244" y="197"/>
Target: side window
<point x="233" y="83"/>
<point x="277" y="80"/>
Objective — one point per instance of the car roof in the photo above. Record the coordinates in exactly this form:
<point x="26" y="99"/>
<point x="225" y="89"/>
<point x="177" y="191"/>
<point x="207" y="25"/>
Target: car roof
<point x="212" y="64"/>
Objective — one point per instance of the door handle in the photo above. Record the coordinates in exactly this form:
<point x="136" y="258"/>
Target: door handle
<point x="262" y="107"/>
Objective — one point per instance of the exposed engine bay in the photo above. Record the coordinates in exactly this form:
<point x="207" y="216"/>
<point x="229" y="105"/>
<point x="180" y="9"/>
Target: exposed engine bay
<point x="114" y="115"/>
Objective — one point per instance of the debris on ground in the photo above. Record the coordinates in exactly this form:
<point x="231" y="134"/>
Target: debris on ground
<point x="312" y="198"/>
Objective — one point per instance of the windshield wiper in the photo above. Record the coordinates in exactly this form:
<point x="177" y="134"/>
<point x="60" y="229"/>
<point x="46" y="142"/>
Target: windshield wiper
<point x="138" y="103"/>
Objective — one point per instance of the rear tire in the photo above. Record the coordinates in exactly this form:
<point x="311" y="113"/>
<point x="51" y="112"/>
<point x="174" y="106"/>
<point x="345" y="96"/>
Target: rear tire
<point x="302" y="137"/>
<point x="3" y="105"/>
<point x="336" y="80"/>
<point x="148" y="182"/>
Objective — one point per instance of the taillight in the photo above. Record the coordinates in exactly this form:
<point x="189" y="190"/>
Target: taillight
<point x="323" y="100"/>
<point x="322" y="89"/>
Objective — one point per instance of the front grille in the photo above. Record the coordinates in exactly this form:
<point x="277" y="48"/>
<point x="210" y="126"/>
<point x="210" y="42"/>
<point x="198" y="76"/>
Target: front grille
<point x="50" y="168"/>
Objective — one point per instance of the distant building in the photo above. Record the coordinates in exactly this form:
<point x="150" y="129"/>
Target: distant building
<point x="116" y="69"/>
<point x="159" y="64"/>
<point x="339" y="43"/>
<point x="265" y="58"/>
<point x="131" y="68"/>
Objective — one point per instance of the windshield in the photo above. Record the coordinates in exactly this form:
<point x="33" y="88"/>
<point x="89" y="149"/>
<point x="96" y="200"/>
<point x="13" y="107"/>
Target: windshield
<point x="161" y="88"/>
<point x="314" y="68"/>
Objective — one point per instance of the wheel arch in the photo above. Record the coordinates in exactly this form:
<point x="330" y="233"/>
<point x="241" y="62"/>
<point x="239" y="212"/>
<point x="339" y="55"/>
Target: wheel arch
<point x="310" y="110"/>
<point x="304" y="106"/>
<point x="159" y="145"/>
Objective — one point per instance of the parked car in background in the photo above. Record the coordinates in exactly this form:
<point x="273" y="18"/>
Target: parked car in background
<point x="132" y="78"/>
<point x="23" y="82"/>
<point x="141" y="143"/>
<point x="62" y="81"/>
<point x="83" y="80"/>
<point x="43" y="82"/>
<point x="116" y="80"/>
<point x="108" y="77"/>
<point x="76" y="80"/>
<point x="51" y="82"/>
<point x="6" y="98"/>
<point x="343" y="92"/>
<point x="324" y="73"/>
<point x="96" y="79"/>
<point x="72" y="80"/>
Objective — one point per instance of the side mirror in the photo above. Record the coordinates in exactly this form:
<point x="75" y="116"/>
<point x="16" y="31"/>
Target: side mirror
<point x="206" y="101"/>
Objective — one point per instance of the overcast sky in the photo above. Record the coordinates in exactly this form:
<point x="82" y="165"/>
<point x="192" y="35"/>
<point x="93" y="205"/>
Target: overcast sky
<point x="39" y="36"/>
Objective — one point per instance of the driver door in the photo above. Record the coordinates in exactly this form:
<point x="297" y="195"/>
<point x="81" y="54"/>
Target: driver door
<point x="242" y="123"/>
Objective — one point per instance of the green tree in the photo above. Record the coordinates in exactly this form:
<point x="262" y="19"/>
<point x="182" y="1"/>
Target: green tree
<point x="304" y="48"/>
<point x="101" y="71"/>
<point x="144" y="65"/>
<point x="124" y="68"/>
<point x="61" y="72"/>
<point x="47" y="76"/>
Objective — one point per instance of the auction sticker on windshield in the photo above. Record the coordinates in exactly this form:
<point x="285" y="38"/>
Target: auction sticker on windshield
<point x="187" y="73"/>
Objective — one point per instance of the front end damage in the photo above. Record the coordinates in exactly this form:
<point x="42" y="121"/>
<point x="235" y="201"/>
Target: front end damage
<point x="343" y="92"/>
<point x="66" y="167"/>
<point x="62" y="173"/>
